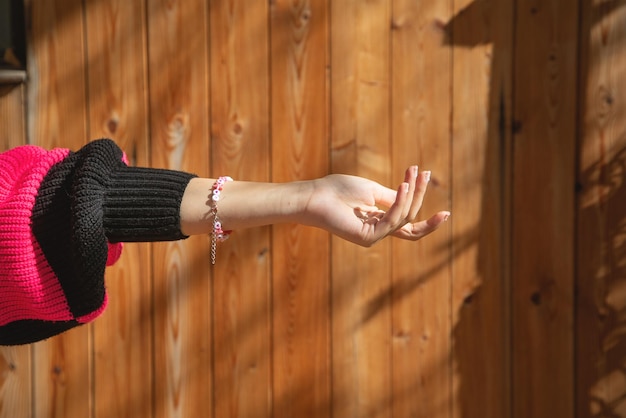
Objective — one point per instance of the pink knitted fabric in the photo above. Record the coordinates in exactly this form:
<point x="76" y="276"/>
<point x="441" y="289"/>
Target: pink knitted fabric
<point x="29" y="288"/>
<point x="60" y="210"/>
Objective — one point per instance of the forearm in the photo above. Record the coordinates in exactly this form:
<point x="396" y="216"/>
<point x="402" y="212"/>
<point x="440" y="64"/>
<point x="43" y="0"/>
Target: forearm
<point x="243" y="204"/>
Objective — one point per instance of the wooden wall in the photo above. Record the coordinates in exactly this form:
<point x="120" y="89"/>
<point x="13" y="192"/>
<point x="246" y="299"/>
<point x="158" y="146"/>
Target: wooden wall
<point x="516" y="308"/>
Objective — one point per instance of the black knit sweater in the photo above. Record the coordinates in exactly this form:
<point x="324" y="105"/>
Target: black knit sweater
<point x="81" y="204"/>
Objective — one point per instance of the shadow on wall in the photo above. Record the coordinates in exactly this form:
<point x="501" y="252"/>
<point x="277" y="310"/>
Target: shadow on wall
<point x="480" y="337"/>
<point x="601" y="252"/>
<point x="600" y="334"/>
<point x="603" y="279"/>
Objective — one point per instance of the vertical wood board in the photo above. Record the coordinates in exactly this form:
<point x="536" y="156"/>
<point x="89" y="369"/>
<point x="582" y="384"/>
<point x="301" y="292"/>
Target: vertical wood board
<point x="299" y="106"/>
<point x="601" y="220"/>
<point x="57" y="117"/>
<point x="361" y="145"/>
<point x="480" y="34"/>
<point x="13" y="117"/>
<point x="15" y="362"/>
<point x="240" y="144"/>
<point x="123" y="366"/>
<point x="421" y="71"/>
<point x="178" y="106"/>
<point x="542" y="216"/>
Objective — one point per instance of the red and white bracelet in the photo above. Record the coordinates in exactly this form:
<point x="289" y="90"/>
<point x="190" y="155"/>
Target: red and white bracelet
<point x="218" y="234"/>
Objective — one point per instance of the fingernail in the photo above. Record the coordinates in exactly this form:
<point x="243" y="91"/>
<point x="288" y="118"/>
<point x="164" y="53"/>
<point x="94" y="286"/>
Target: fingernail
<point x="415" y="170"/>
<point x="446" y="216"/>
<point x="427" y="176"/>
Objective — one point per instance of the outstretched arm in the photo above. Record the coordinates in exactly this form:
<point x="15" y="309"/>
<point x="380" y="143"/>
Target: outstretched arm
<point x="64" y="216"/>
<point x="354" y="208"/>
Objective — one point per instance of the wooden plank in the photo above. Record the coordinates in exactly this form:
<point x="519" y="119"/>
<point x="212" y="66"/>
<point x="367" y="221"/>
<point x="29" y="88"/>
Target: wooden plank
<point x="600" y="383"/>
<point x="542" y="247"/>
<point x="178" y="68"/>
<point x="421" y="328"/>
<point x="15" y="382"/>
<point x="57" y="116"/>
<point x="12" y="116"/>
<point x="56" y="88"/>
<point x="481" y="35"/>
<point x="118" y="110"/>
<point x="15" y="362"/>
<point x="361" y="145"/>
<point x="241" y="149"/>
<point x="301" y="283"/>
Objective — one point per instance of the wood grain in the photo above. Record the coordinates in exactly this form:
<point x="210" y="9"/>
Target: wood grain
<point x="15" y="382"/>
<point x="56" y="89"/>
<point x="421" y="311"/>
<point x="543" y="208"/>
<point x="481" y="35"/>
<point x="178" y="105"/>
<point x="478" y="320"/>
<point x="118" y="110"/>
<point x="13" y="116"/>
<point x="361" y="145"/>
<point x="15" y="362"/>
<point x="57" y="114"/>
<point x="300" y="268"/>
<point x="240" y="144"/>
<point x="600" y="342"/>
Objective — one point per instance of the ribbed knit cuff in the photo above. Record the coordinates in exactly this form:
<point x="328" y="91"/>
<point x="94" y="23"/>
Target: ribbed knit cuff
<point x="143" y="204"/>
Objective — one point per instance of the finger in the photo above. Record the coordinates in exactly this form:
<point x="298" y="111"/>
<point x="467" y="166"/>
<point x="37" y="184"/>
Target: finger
<point x="418" y="230"/>
<point x="394" y="217"/>
<point x="384" y="196"/>
<point x="418" y="196"/>
<point x="410" y="177"/>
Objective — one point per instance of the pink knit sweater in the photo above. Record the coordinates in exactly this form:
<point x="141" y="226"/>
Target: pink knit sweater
<point x="29" y="285"/>
<point x="63" y="216"/>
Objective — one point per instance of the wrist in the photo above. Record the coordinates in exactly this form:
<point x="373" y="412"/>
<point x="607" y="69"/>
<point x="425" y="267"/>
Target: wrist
<point x="296" y="199"/>
<point x="245" y="204"/>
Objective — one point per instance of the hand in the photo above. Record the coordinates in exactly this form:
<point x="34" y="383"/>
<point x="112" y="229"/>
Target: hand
<point x="350" y="207"/>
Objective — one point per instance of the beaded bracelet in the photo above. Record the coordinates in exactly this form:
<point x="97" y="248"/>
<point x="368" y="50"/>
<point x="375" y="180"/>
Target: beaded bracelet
<point x="218" y="234"/>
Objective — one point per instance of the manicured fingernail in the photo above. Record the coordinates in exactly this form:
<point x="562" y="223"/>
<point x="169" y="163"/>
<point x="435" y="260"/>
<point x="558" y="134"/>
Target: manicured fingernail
<point x="427" y="176"/>
<point x="446" y="216"/>
<point x="415" y="170"/>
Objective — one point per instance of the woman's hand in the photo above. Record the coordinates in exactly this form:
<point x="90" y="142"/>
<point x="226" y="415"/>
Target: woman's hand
<point x="364" y="212"/>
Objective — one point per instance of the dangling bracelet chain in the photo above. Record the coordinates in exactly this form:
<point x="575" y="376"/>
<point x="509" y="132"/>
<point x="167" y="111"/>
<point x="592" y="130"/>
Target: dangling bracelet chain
<point x="218" y="234"/>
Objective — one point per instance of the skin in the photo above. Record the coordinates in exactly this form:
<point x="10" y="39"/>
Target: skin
<point x="354" y="208"/>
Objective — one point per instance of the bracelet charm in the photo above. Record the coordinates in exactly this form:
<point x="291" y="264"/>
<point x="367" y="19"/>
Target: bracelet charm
<point x="218" y="234"/>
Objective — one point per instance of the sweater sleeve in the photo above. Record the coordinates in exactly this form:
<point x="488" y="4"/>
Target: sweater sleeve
<point x="63" y="217"/>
